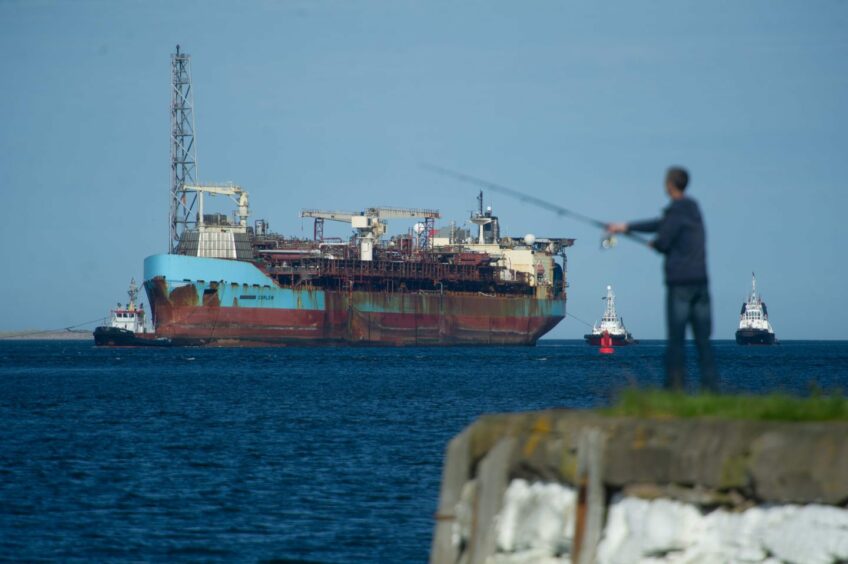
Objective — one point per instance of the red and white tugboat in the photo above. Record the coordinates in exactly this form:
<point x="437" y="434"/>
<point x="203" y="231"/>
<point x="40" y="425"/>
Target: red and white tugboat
<point x="754" y="326"/>
<point x="127" y="327"/>
<point x="612" y="324"/>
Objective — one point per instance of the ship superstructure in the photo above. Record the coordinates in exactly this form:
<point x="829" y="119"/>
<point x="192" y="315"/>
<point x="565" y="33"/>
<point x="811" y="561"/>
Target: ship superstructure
<point x="754" y="326"/>
<point x="229" y="282"/>
<point x="610" y="324"/>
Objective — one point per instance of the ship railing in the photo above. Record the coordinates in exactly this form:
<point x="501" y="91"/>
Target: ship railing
<point x="414" y="270"/>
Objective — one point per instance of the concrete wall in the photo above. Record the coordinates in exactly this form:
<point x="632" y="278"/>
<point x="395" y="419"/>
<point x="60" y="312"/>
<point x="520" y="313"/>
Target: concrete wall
<point x="561" y="486"/>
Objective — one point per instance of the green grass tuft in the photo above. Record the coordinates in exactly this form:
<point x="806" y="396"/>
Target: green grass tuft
<point x="772" y="407"/>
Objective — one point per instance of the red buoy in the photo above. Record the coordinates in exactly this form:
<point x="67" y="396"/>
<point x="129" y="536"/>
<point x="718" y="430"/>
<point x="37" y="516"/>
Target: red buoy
<point x="606" y="343"/>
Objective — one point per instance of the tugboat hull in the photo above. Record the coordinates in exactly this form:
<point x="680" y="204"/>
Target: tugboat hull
<point x="116" y="337"/>
<point x="617" y="340"/>
<point x="754" y="337"/>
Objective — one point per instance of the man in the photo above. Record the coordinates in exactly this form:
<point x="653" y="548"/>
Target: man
<point x="681" y="238"/>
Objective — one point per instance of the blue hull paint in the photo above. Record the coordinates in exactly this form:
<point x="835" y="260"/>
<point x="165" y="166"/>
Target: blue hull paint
<point x="237" y="283"/>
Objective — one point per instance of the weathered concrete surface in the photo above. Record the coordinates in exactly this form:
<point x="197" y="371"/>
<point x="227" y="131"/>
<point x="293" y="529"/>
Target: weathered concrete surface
<point x="454" y="476"/>
<point x="720" y="462"/>
<point x="491" y="485"/>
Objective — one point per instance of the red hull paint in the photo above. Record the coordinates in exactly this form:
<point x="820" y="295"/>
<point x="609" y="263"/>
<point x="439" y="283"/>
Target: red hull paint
<point x="595" y="341"/>
<point x="360" y="318"/>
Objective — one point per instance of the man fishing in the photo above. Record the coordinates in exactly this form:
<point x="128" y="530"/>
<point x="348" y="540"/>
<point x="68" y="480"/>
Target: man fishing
<point x="681" y="238"/>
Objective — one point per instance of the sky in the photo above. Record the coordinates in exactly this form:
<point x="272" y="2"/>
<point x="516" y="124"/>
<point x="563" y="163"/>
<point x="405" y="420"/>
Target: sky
<point x="335" y="105"/>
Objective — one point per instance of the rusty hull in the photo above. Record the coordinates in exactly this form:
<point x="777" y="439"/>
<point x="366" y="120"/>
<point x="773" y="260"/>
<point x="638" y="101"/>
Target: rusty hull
<point x="192" y="316"/>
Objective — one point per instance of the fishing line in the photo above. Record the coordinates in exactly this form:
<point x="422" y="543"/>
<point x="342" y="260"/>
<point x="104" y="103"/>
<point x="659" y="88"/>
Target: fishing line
<point x="550" y="206"/>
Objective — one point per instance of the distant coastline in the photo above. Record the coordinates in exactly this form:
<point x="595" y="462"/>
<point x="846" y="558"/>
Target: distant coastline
<point x="36" y="335"/>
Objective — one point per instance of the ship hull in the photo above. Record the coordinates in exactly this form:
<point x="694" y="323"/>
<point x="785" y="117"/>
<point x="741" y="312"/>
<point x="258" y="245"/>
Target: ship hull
<point x="754" y="337"/>
<point x="617" y="340"/>
<point x="214" y="302"/>
<point x="116" y="337"/>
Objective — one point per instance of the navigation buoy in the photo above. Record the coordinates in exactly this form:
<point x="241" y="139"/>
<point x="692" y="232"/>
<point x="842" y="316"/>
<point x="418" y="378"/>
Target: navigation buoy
<point x="606" y="343"/>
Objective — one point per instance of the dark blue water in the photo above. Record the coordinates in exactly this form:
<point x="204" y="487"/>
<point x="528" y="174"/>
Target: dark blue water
<point x="330" y="455"/>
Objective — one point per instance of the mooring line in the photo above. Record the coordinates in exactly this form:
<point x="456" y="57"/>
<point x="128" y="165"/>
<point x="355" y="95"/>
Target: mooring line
<point x="571" y="315"/>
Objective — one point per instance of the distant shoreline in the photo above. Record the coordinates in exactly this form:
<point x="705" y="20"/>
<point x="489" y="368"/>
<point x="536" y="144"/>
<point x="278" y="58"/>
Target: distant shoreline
<point x="36" y="335"/>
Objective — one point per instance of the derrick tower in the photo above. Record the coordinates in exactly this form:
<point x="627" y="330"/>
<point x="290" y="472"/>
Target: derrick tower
<point x="183" y="152"/>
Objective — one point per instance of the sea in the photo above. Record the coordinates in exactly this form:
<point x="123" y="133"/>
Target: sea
<point x="289" y="454"/>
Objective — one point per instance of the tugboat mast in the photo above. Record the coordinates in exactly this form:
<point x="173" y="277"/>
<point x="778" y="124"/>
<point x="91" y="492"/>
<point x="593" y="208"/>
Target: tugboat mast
<point x="610" y="314"/>
<point x="133" y="295"/>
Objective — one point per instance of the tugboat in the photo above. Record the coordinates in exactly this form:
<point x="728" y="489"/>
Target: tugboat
<point x="611" y="324"/>
<point x="127" y="327"/>
<point x="754" y="326"/>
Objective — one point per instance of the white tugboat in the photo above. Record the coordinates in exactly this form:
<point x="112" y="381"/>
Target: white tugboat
<point x="754" y="326"/>
<point x="127" y="326"/>
<point x="611" y="324"/>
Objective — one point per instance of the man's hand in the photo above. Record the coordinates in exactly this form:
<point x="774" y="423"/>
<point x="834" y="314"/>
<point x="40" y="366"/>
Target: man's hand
<point x="617" y="228"/>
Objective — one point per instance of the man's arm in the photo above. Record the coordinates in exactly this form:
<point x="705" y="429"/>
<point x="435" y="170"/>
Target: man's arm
<point x="668" y="232"/>
<point x="647" y="226"/>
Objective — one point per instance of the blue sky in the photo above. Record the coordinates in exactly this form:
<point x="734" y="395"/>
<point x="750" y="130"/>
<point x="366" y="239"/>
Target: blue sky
<point x="335" y="104"/>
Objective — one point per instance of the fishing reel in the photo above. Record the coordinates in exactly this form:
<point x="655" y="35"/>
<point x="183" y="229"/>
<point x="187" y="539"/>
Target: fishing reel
<point x="608" y="241"/>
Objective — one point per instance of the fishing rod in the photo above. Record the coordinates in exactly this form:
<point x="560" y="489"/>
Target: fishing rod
<point x="607" y="242"/>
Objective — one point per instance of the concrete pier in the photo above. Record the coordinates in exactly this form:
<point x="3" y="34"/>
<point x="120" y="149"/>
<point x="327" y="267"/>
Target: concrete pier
<point x="579" y="486"/>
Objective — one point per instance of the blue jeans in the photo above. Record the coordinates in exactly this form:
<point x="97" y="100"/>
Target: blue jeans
<point x="689" y="304"/>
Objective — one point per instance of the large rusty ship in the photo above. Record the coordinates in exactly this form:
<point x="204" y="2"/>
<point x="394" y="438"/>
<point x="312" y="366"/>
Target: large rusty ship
<point x="230" y="281"/>
<point x="230" y="284"/>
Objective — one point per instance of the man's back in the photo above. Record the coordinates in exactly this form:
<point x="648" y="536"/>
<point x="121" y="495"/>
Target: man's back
<point x="682" y="239"/>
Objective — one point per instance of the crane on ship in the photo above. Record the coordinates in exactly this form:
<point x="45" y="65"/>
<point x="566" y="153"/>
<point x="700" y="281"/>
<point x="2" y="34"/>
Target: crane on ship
<point x="236" y="193"/>
<point x="370" y="224"/>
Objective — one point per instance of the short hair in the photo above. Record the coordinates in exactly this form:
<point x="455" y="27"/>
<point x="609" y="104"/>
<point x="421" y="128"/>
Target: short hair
<point x="678" y="177"/>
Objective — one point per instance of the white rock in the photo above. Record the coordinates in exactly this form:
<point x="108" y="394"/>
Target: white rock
<point x="536" y="517"/>
<point x="807" y="534"/>
<point x="668" y="531"/>
<point x="536" y="525"/>
<point x="532" y="556"/>
<point x="639" y="529"/>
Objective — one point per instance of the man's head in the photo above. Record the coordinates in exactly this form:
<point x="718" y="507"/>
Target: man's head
<point x="676" y="180"/>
